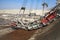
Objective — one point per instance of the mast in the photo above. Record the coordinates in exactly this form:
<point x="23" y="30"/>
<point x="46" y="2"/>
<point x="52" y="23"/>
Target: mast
<point x="44" y="5"/>
<point x="21" y="12"/>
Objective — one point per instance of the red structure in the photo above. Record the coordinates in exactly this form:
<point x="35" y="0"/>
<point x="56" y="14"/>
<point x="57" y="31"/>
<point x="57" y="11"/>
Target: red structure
<point x="49" y="17"/>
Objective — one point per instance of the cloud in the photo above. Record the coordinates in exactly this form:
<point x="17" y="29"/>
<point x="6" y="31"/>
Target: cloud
<point x="15" y="11"/>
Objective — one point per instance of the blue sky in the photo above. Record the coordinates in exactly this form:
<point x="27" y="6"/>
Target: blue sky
<point x="17" y="4"/>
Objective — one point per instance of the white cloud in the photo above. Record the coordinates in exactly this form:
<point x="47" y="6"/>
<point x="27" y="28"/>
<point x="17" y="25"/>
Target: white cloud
<point x="15" y="11"/>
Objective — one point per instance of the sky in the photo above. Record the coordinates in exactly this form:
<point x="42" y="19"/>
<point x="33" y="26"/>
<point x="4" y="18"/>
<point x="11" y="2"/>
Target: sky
<point x="29" y="4"/>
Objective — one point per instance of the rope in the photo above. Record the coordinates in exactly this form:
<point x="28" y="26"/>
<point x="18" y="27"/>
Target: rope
<point x="24" y="3"/>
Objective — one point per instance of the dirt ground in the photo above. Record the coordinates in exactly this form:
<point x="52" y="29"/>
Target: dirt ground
<point x="18" y="35"/>
<point x="53" y="35"/>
